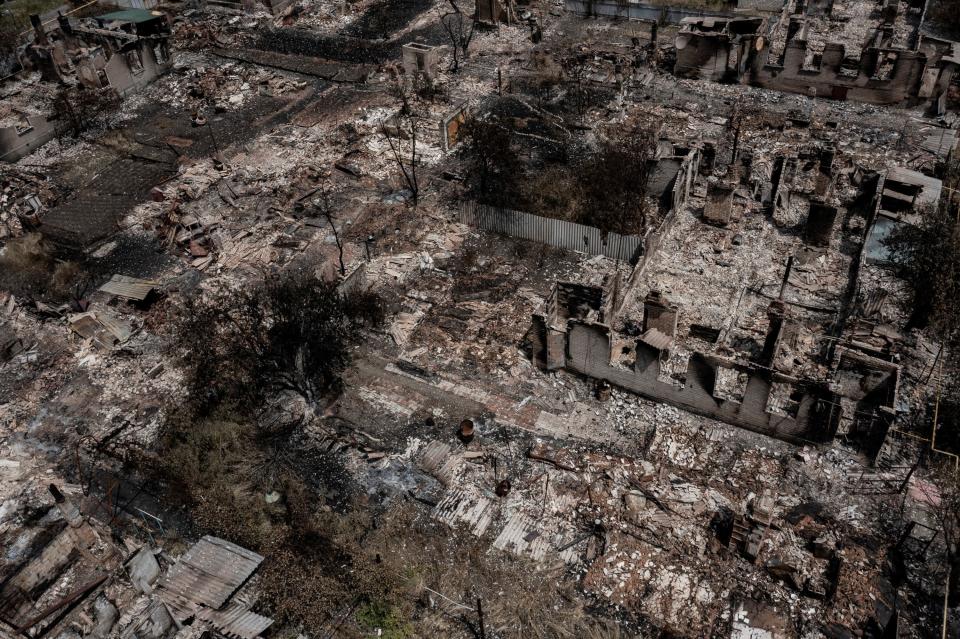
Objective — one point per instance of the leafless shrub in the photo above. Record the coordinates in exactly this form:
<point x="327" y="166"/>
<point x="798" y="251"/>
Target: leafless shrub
<point x="459" y="29"/>
<point x="325" y="207"/>
<point x="79" y="108"/>
<point x="400" y="132"/>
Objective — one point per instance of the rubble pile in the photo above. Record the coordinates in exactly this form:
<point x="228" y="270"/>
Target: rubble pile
<point x="222" y="87"/>
<point x="23" y="195"/>
<point x="714" y="424"/>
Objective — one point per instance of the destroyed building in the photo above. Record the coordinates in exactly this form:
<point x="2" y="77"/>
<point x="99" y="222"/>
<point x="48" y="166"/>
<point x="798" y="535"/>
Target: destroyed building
<point x="81" y="580"/>
<point x="760" y="53"/>
<point x="122" y="51"/>
<point x="764" y="382"/>
<point x="700" y="410"/>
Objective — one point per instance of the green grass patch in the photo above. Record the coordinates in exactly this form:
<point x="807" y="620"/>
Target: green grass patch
<point x="388" y="619"/>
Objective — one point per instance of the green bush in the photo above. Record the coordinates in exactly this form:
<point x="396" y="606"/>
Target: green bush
<point x="388" y="619"/>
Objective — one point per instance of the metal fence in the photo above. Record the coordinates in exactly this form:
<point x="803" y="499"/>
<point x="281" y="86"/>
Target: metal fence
<point x="565" y="235"/>
<point x="135" y="4"/>
<point x="638" y="10"/>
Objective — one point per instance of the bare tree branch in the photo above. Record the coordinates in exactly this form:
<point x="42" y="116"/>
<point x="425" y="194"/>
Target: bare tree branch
<point x="459" y="29"/>
<point x="406" y="123"/>
<point x="324" y="206"/>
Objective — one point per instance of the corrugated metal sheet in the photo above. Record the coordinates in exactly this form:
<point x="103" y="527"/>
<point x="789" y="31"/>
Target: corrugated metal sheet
<point x="458" y="506"/>
<point x="522" y="537"/>
<point x="565" y="235"/>
<point x="874" y="303"/>
<point x="130" y="287"/>
<point x="656" y="339"/>
<point x="939" y="140"/>
<point x="103" y="328"/>
<point x="434" y="455"/>
<point x="929" y="187"/>
<point x="437" y="461"/>
<point x="208" y="574"/>
<point x="236" y="621"/>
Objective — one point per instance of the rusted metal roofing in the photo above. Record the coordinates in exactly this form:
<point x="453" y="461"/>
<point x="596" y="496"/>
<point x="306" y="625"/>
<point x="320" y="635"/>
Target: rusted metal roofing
<point x="235" y="621"/>
<point x="104" y="329"/>
<point x="207" y="575"/>
<point x="130" y="287"/>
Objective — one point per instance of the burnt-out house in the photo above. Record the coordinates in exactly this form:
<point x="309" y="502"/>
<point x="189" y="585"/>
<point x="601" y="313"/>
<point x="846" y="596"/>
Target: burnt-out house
<point x="573" y="333"/>
<point x="881" y="74"/>
<point x="751" y="51"/>
<point x="714" y="48"/>
<point x="121" y="51"/>
<point x="753" y="356"/>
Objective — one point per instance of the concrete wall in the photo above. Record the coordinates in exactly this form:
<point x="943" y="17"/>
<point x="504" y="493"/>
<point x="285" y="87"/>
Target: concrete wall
<point x="420" y="58"/>
<point x="683" y="184"/>
<point x="636" y="11"/>
<point x="704" y="57"/>
<point x="123" y="80"/>
<point x="719" y="206"/>
<point x="588" y="353"/>
<point x="903" y="82"/>
<point x="15" y="145"/>
<point x="565" y="235"/>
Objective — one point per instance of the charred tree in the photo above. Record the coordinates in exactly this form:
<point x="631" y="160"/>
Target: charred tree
<point x="80" y="108"/>
<point x="325" y="207"/>
<point x="495" y="169"/>
<point x="291" y="333"/>
<point x="614" y="182"/>
<point x="400" y="132"/>
<point x="459" y="29"/>
<point x="927" y="256"/>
